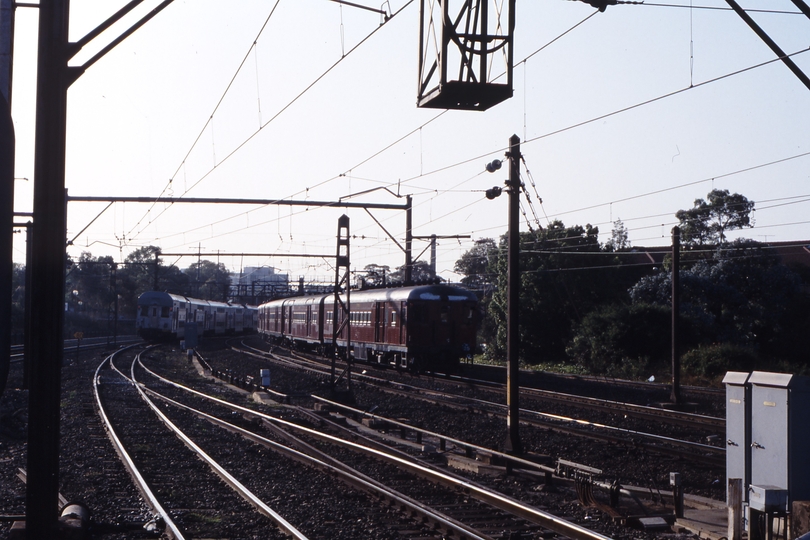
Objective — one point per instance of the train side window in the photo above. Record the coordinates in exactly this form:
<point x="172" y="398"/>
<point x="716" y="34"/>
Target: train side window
<point x="393" y="317"/>
<point x="445" y="314"/>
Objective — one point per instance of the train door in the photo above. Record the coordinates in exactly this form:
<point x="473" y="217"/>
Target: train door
<point x="392" y="325"/>
<point x="379" y="322"/>
<point x="175" y="314"/>
<point x="153" y="315"/>
<point x="444" y="329"/>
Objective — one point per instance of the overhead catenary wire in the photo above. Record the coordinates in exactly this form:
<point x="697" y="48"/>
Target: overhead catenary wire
<point x="211" y="116"/>
<point x="568" y="128"/>
<point x="281" y="111"/>
<point x="253" y="46"/>
<point x="715" y="8"/>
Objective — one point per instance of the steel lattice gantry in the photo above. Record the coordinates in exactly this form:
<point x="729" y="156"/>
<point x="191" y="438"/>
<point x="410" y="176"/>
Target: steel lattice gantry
<point x="464" y="47"/>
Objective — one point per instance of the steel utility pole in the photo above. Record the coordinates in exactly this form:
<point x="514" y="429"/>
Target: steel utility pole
<point x="676" y="311"/>
<point x="432" y="246"/>
<point x="47" y="271"/>
<point x="54" y="77"/>
<point x="513" y="443"/>
<point x="7" y="150"/>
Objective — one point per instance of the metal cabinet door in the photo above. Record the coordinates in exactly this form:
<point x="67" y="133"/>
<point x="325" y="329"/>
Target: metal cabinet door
<point x="769" y="436"/>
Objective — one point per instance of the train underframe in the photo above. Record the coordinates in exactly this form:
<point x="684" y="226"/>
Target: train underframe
<point x="412" y="359"/>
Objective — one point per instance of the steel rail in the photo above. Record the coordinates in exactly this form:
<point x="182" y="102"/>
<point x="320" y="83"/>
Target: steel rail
<point x="447" y="400"/>
<point x="229" y="479"/>
<point x="140" y="482"/>
<point x="548" y="417"/>
<point x="70" y="346"/>
<point x="640" y="411"/>
<point x="553" y="421"/>
<point x="547" y="520"/>
<point x="643" y="385"/>
<point x="347" y="474"/>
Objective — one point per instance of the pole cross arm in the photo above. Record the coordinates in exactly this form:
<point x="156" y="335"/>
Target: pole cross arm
<point x="222" y="200"/>
<point x="74" y="48"/>
<point x="770" y="42"/>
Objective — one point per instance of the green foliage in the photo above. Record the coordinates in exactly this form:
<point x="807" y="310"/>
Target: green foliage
<point x="475" y="264"/>
<point x="17" y="302"/>
<point x="376" y="275"/>
<point x="742" y="295"/>
<point x="564" y="274"/>
<point x="619" y="237"/>
<point x="209" y="280"/>
<point x="420" y="271"/>
<point x="708" y="220"/>
<point x="623" y="341"/>
<point x="709" y="363"/>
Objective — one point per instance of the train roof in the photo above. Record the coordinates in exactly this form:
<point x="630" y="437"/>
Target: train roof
<point x="159" y="298"/>
<point x="440" y="292"/>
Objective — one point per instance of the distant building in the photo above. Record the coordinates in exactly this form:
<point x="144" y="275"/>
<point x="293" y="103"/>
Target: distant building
<point x="256" y="284"/>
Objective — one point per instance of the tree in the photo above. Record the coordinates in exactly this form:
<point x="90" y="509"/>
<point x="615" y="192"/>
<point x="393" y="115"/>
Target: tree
<point x="474" y="264"/>
<point x="136" y="275"/>
<point x="420" y="271"/>
<point x="211" y="281"/>
<point x="741" y="296"/>
<point x="618" y="237"/>
<point x="708" y="220"/>
<point x="552" y="298"/>
<point x="17" y="301"/>
<point x="376" y="275"/>
<point x="623" y="340"/>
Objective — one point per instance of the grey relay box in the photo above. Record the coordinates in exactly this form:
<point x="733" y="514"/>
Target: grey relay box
<point x="768" y="498"/>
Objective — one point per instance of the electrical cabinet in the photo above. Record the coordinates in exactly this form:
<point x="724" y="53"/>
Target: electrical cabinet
<point x="738" y="428"/>
<point x="780" y="438"/>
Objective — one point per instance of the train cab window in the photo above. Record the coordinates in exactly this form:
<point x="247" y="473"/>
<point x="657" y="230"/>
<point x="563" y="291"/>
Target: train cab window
<point x="445" y="316"/>
<point x="164" y="311"/>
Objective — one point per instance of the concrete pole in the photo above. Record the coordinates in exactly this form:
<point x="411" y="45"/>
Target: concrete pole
<point x="513" y="443"/>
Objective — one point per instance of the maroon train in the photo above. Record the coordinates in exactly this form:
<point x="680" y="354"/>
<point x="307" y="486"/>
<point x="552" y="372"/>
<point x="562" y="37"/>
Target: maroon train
<point x="420" y="328"/>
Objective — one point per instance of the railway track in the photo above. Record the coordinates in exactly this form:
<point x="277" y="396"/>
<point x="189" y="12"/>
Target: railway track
<point x="171" y="471"/>
<point x="356" y="462"/>
<point x="71" y="345"/>
<point x="564" y="423"/>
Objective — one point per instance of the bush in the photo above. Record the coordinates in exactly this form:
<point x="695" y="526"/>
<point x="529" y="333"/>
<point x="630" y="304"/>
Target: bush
<point x="623" y="341"/>
<point x="710" y="362"/>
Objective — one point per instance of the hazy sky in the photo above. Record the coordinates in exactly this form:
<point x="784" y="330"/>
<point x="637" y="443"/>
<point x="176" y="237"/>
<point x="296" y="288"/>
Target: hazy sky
<point x="153" y="117"/>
